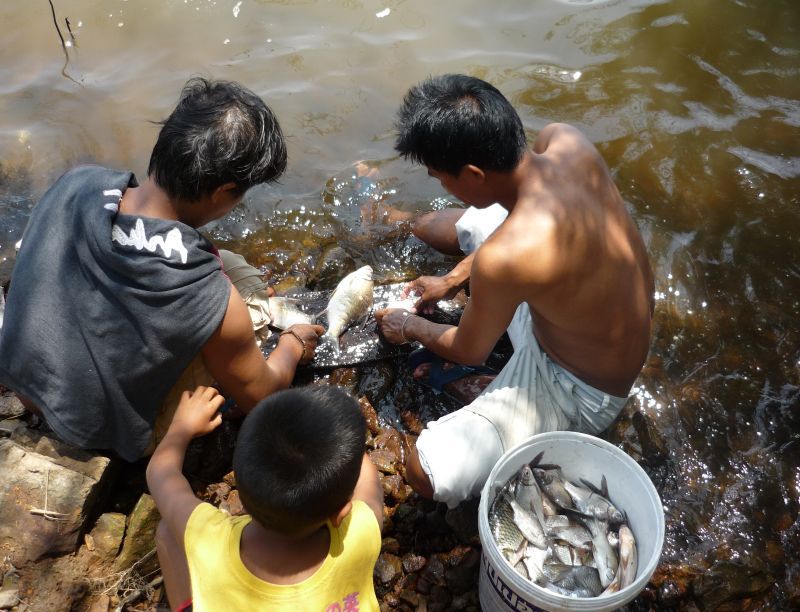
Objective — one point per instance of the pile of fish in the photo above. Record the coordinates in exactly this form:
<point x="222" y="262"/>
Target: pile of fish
<point x="563" y="536"/>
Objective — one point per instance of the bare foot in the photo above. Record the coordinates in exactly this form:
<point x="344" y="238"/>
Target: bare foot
<point x="464" y="389"/>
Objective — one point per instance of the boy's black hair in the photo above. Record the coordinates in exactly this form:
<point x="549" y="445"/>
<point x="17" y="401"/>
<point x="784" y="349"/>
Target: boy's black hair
<point x="220" y="132"/>
<point x="449" y="121"/>
<point x="298" y="457"/>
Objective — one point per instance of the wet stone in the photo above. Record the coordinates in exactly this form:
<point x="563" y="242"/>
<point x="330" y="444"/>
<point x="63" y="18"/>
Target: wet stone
<point x="140" y="536"/>
<point x="232" y="504"/>
<point x="390" y="439"/>
<point x="388" y="569"/>
<point x="390" y="545"/>
<point x="385" y="460"/>
<point x="413" y="563"/>
<point x="434" y="571"/>
<point x="411" y="421"/>
<point x="464" y="576"/>
<point x="369" y="414"/>
<point x="395" y="487"/>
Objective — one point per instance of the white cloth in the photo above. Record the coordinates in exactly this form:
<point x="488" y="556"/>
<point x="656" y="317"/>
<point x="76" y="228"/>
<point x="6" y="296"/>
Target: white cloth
<point x="531" y="394"/>
<point x="250" y="284"/>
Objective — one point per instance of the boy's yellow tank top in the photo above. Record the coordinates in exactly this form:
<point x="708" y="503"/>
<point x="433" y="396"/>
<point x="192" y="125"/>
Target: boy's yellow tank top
<point x="220" y="581"/>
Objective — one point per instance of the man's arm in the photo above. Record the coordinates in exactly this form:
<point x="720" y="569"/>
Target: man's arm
<point x="488" y="312"/>
<point x="369" y="490"/>
<point x="431" y="289"/>
<point x="233" y="358"/>
<point x="197" y="415"/>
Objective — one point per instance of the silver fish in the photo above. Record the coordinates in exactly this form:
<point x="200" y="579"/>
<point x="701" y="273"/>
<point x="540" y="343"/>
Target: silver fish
<point x="527" y="522"/>
<point x="574" y="535"/>
<point x="350" y="301"/>
<point x="501" y="524"/>
<point x="551" y="482"/>
<point x="528" y="493"/>
<point x="579" y="580"/>
<point x="285" y="312"/>
<point x="628" y="558"/>
<point x="626" y="571"/>
<point x="534" y="559"/>
<point x="594" y="502"/>
<point x="605" y="557"/>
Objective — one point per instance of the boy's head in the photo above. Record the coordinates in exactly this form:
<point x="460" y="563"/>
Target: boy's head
<point x="219" y="133"/>
<point x="298" y="457"/>
<point x="449" y="121"/>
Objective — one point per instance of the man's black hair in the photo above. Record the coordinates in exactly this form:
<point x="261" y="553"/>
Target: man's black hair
<point x="220" y="132"/>
<point x="298" y="457"/>
<point x="449" y="121"/>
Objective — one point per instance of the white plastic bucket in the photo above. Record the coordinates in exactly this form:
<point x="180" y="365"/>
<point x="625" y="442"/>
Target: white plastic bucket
<point x="501" y="588"/>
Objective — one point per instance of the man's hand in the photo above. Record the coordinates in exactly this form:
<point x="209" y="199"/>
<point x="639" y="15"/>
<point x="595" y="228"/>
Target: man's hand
<point x="391" y="323"/>
<point x="430" y="289"/>
<point x="197" y="413"/>
<point x="307" y="338"/>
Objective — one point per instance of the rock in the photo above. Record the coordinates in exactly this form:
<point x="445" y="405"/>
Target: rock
<point x="385" y="460"/>
<point x="395" y="488"/>
<point x="391" y="440"/>
<point x="67" y="486"/>
<point x="390" y="545"/>
<point x="217" y="492"/>
<point x="8" y="599"/>
<point x="107" y="535"/>
<point x="369" y="414"/>
<point x="10" y="406"/>
<point x="232" y="504"/>
<point x="140" y="537"/>
<point x="463" y="520"/>
<point x="413" y="563"/>
<point x="463" y="576"/>
<point x="388" y="569"/>
<point x="411" y="420"/>
<point x="100" y="604"/>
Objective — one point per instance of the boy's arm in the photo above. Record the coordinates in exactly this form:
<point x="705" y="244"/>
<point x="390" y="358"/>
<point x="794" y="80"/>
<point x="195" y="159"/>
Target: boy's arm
<point x="197" y="414"/>
<point x="369" y="490"/>
<point x="233" y="358"/>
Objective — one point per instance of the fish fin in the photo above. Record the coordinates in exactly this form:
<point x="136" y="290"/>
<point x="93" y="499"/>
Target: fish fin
<point x="604" y="487"/>
<point x="592" y="487"/>
<point x="536" y="460"/>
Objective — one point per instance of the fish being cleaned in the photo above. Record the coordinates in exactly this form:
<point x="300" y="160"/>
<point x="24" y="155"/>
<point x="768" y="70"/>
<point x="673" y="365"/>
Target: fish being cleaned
<point x="285" y="312"/>
<point x="351" y="301"/>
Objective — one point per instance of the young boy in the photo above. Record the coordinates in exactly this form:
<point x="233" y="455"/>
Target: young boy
<point x="313" y="496"/>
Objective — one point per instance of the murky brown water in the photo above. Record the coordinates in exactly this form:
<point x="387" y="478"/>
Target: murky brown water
<point x="695" y="106"/>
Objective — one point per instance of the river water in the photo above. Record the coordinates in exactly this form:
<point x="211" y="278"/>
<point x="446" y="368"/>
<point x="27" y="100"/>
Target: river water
<point x="695" y="106"/>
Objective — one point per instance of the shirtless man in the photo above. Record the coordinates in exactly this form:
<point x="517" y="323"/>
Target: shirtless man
<point x="118" y="304"/>
<point x="552" y="256"/>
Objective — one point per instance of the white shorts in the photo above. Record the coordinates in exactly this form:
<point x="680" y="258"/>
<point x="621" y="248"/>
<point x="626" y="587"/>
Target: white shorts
<point x="530" y="395"/>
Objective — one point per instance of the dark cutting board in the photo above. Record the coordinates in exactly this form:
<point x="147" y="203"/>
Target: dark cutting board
<point x="362" y="342"/>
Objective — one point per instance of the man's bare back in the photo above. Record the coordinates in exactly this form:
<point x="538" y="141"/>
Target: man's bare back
<point x="571" y="251"/>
